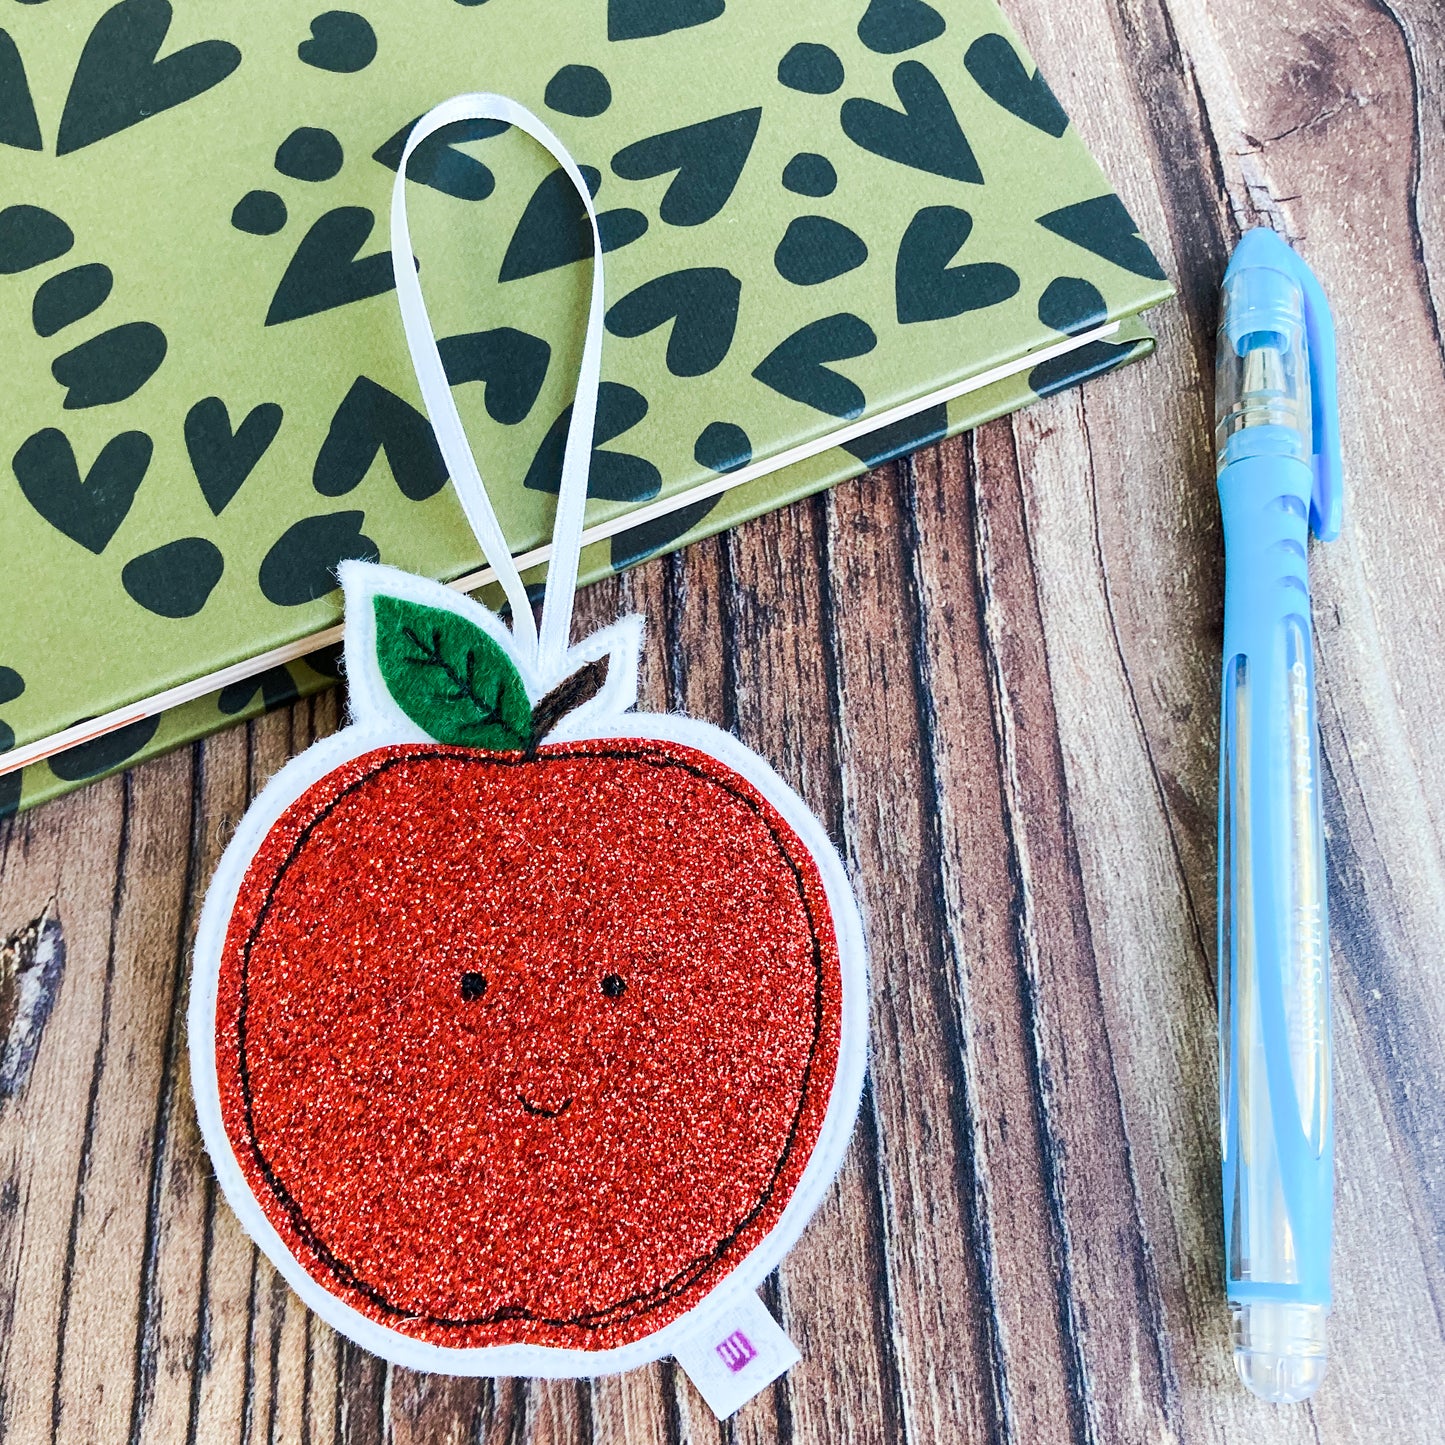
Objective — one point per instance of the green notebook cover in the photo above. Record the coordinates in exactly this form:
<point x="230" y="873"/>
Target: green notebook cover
<point x="822" y="220"/>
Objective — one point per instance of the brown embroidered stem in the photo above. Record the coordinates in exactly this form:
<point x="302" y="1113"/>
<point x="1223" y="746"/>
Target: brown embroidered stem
<point x="570" y="693"/>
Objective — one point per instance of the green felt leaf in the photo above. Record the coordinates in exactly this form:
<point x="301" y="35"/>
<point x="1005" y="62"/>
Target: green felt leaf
<point x="450" y="678"/>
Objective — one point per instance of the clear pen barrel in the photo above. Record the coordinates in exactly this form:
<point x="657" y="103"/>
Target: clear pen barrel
<point x="1261" y="377"/>
<point x="1273" y="949"/>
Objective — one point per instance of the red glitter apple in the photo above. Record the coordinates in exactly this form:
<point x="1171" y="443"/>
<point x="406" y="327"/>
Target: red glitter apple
<point x="521" y="1021"/>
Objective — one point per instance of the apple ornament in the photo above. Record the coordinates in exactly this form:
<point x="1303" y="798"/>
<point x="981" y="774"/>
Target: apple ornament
<point x="526" y="1030"/>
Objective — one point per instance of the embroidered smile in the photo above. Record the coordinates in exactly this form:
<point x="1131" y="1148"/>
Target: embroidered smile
<point x="539" y="1111"/>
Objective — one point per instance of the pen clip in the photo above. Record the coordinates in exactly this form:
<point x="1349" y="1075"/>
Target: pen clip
<point x="1327" y="500"/>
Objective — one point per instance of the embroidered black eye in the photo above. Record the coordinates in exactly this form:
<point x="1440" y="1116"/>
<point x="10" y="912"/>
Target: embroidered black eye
<point x="474" y="985"/>
<point x="613" y="985"/>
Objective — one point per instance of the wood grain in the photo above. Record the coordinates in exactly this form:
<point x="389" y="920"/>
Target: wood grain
<point x="991" y="669"/>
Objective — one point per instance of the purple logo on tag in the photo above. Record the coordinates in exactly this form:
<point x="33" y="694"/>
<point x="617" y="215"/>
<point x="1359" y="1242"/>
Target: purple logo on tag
<point x="736" y="1351"/>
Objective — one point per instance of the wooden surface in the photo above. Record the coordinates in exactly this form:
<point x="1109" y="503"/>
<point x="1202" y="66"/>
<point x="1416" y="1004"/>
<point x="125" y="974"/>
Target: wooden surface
<point x="992" y="670"/>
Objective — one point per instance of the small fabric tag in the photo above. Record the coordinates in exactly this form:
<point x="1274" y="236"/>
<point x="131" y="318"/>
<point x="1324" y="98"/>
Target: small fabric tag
<point x="741" y="1352"/>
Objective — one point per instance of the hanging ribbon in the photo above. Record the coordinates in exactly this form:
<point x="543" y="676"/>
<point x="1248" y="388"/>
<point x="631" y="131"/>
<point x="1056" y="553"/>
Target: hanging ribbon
<point x="548" y="648"/>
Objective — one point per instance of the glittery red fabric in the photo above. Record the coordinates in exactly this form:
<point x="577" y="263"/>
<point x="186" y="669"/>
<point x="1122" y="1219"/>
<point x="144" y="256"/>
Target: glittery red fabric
<point x="575" y="1144"/>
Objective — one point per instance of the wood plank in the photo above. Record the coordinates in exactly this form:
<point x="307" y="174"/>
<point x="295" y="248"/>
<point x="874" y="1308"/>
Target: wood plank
<point x="170" y="1349"/>
<point x="74" y="860"/>
<point x="1154" y="960"/>
<point x="363" y="1397"/>
<point x="93" y="1384"/>
<point x="1422" y="32"/>
<point x="1145" y="834"/>
<point x="786" y="711"/>
<point x="937" y="1289"/>
<point x="1020" y="1234"/>
<point x="262" y="1368"/>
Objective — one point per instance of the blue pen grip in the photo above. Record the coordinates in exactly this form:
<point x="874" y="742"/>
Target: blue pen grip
<point x="1273" y="918"/>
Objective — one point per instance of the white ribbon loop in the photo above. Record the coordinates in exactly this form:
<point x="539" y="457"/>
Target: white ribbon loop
<point x="548" y="649"/>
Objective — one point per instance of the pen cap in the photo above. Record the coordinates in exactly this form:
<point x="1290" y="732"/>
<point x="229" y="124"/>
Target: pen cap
<point x="1268" y="290"/>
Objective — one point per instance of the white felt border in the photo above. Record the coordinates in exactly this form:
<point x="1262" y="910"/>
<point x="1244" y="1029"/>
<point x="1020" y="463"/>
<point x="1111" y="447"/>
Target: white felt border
<point x="538" y="1360"/>
<point x="369" y="698"/>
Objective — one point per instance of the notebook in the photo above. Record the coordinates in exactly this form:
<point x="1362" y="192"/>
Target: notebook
<point x="834" y="232"/>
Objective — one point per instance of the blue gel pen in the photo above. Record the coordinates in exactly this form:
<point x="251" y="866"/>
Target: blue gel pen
<point x="1278" y="454"/>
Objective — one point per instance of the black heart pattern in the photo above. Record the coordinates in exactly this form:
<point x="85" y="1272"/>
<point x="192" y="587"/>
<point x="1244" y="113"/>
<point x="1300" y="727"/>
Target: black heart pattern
<point x="19" y="125"/>
<point x="301" y="565"/>
<point x="512" y="365"/>
<point x="578" y="90"/>
<point x="636" y="544"/>
<point x="310" y="153"/>
<point x="708" y="157"/>
<point x="1103" y="225"/>
<point x="325" y="661"/>
<point x="223" y="459"/>
<point x="722" y="446"/>
<point x="11" y="686"/>
<point x="69" y="296"/>
<point x="615" y="476"/>
<point x="901" y="437"/>
<point x="31" y="236"/>
<point x="1071" y="304"/>
<point x="811" y="68"/>
<point x="926" y="287"/>
<point x="119" y="82"/>
<point x="110" y="367"/>
<point x="102" y="754"/>
<point x="174" y="580"/>
<point x="925" y="134"/>
<point x="554" y="232"/>
<point x="437" y="162"/>
<point x="325" y="271"/>
<point x="816" y="249"/>
<point x="701" y="303"/>
<point x="88" y="512"/>
<point x="795" y="367"/>
<point x="1073" y="367"/>
<point x="635" y="19"/>
<point x="1000" y="74"/>
<point x="341" y="41"/>
<point x="10" y="783"/>
<point x="809" y="174"/>
<point x="259" y="213"/>
<point x="891" y="26"/>
<point x="372" y="419"/>
<point x="276" y="685"/>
